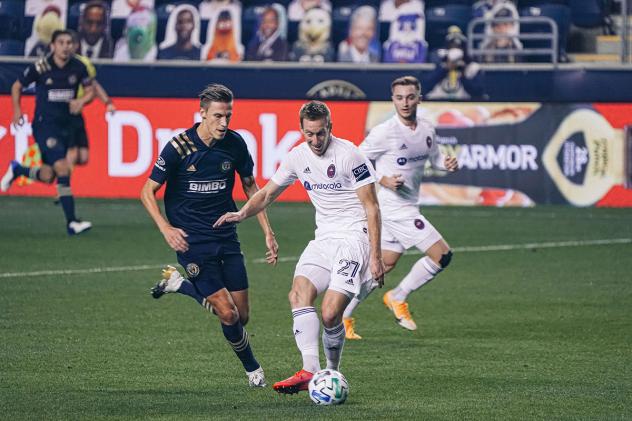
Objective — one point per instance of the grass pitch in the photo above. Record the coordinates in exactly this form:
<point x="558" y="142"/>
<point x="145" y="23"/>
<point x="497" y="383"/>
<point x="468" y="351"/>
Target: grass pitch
<point x="535" y="333"/>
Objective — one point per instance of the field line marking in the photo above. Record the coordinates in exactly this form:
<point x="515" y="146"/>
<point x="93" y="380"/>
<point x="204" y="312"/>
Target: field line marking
<point x="503" y="247"/>
<point x="463" y="249"/>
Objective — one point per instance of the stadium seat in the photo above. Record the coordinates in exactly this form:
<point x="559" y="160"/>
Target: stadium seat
<point x="251" y="3"/>
<point x="249" y="20"/>
<point x="537" y="3"/>
<point x="292" y="32"/>
<point x="385" y="28"/>
<point x="118" y="26"/>
<point x="561" y="14"/>
<point x="587" y="13"/>
<point x="439" y="3"/>
<point x="11" y="19"/>
<point x="159" y="3"/>
<point x="74" y="12"/>
<point x="11" y="47"/>
<point x="438" y="19"/>
<point x="162" y="16"/>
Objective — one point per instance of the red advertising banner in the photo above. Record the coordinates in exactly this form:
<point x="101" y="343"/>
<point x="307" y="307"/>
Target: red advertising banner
<point x="518" y="154"/>
<point x="124" y="146"/>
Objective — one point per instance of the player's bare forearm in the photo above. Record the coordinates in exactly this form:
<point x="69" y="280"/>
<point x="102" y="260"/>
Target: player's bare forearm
<point x="89" y="93"/>
<point x="374" y="220"/>
<point x="258" y="202"/>
<point x="175" y="237"/>
<point x="368" y="198"/>
<point x="16" y="95"/>
<point x="101" y="93"/>
<point x="77" y="104"/>
<point x="148" y="198"/>
<point x="250" y="189"/>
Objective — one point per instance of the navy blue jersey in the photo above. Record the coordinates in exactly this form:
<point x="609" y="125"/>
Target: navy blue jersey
<point x="200" y="182"/>
<point x="54" y="87"/>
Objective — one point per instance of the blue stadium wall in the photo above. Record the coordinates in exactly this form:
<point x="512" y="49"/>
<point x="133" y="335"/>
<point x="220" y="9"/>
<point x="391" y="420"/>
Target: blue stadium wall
<point x="545" y="83"/>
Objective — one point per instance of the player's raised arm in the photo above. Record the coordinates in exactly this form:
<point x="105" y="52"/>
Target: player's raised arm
<point x="250" y="189"/>
<point x="258" y="202"/>
<point x="368" y="197"/>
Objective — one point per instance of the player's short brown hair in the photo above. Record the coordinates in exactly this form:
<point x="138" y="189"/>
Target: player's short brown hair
<point x="58" y="33"/>
<point x="406" y="81"/>
<point x="215" y="93"/>
<point x="315" y="110"/>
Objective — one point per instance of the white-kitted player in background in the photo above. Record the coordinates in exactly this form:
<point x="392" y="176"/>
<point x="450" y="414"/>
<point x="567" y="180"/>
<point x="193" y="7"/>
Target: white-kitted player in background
<point x="400" y="148"/>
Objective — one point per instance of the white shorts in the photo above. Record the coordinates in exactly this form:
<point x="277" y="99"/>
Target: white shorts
<point x="338" y="264"/>
<point x="411" y="230"/>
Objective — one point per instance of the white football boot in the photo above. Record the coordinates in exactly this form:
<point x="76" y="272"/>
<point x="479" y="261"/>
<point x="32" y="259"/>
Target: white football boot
<point x="170" y="282"/>
<point x="257" y="378"/>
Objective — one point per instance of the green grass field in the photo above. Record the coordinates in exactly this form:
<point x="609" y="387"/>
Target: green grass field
<point x="525" y="333"/>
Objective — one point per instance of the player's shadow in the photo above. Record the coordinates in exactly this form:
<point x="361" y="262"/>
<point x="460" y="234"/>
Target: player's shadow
<point x="166" y="402"/>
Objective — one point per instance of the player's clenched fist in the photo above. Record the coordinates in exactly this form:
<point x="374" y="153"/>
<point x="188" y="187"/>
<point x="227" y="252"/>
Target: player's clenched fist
<point x="377" y="270"/>
<point x="451" y="164"/>
<point x="392" y="182"/>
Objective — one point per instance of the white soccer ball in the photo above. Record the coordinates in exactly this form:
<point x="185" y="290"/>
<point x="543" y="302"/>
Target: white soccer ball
<point x="328" y="387"/>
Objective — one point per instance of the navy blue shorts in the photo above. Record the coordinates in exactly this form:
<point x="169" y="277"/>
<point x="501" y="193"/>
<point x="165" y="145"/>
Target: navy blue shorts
<point x="212" y="266"/>
<point x="52" y="139"/>
<point x="78" y="136"/>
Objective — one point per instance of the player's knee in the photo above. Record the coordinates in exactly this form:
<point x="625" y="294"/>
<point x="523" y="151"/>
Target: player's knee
<point x="297" y="298"/>
<point x="331" y="318"/>
<point x="243" y="318"/>
<point x="445" y="259"/>
<point x="46" y="175"/>
<point x="228" y="314"/>
<point x="388" y="268"/>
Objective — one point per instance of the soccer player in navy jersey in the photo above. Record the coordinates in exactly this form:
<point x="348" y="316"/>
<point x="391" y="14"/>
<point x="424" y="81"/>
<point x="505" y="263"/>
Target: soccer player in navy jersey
<point x="57" y="78"/>
<point x="199" y="168"/>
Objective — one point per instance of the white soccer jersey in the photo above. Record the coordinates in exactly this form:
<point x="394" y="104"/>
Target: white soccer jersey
<point x="331" y="181"/>
<point x="396" y="149"/>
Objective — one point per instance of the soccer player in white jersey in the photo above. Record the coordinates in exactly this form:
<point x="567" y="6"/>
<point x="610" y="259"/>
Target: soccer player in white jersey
<point x="400" y="147"/>
<point x="344" y="260"/>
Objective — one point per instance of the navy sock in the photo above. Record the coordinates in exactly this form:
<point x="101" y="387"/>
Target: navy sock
<point x="19" y="170"/>
<point x="187" y="288"/>
<point x="237" y="337"/>
<point x="65" y="198"/>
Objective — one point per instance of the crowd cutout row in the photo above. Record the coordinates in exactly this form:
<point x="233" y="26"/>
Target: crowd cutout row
<point x="312" y="36"/>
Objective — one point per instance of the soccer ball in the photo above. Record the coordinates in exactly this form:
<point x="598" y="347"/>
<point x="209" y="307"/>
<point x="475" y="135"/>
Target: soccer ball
<point x="328" y="387"/>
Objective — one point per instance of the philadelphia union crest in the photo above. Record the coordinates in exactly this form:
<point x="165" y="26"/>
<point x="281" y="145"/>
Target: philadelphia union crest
<point x="429" y="141"/>
<point x="226" y="166"/>
<point x="419" y="224"/>
<point x="193" y="270"/>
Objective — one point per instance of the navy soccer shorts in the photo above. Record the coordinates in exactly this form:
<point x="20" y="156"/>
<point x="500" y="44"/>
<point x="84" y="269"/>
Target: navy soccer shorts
<point x="78" y="136"/>
<point x="212" y="266"/>
<point x="52" y="139"/>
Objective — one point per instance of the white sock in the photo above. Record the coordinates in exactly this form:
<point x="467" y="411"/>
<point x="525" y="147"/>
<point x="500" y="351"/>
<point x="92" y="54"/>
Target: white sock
<point x="420" y="274"/>
<point x="306" y="328"/>
<point x="350" y="307"/>
<point x="333" y="342"/>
